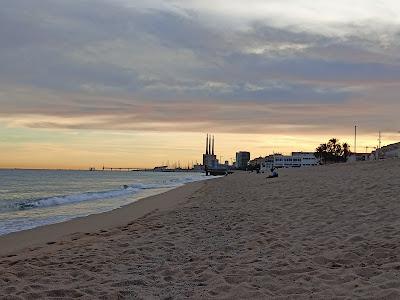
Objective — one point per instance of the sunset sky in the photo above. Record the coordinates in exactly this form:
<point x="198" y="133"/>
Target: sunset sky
<point x="138" y="83"/>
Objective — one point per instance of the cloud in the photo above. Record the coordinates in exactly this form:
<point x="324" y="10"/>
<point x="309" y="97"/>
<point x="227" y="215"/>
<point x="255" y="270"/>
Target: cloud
<point x="77" y="111"/>
<point x="300" y="66"/>
<point x="322" y="17"/>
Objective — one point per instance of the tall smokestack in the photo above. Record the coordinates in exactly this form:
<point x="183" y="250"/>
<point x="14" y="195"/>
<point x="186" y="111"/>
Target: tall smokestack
<point x="213" y="146"/>
<point x="207" y="145"/>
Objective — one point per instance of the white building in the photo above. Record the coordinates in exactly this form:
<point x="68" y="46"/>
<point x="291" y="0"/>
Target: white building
<point x="389" y="151"/>
<point x="296" y="160"/>
<point x="308" y="159"/>
<point x="360" y="157"/>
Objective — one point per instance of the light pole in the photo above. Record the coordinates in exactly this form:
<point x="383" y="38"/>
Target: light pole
<point x="355" y="140"/>
<point x="379" y="145"/>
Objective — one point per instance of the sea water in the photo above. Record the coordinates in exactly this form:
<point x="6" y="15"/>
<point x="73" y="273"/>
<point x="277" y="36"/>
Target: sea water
<point x="32" y="198"/>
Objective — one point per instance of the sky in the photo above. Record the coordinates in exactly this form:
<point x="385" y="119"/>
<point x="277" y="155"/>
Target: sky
<point x="87" y="83"/>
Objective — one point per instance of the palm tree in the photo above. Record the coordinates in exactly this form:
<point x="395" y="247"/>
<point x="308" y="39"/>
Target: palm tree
<point x="321" y="152"/>
<point x="346" y="151"/>
<point x="333" y="151"/>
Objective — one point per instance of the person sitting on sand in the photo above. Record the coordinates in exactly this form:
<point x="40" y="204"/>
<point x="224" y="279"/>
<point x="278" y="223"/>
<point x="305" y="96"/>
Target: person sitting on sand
<point x="274" y="173"/>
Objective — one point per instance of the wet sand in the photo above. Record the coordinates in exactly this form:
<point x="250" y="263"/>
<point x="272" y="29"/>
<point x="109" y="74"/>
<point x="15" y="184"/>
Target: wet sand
<point x="320" y="233"/>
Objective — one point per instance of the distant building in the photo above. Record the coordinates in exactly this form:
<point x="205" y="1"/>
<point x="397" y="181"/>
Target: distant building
<point x="296" y="160"/>
<point x="210" y="160"/>
<point x="389" y="151"/>
<point x="308" y="159"/>
<point x="242" y="159"/>
<point x="160" y="168"/>
<point x="198" y="168"/>
<point x="256" y="161"/>
<point x="360" y="157"/>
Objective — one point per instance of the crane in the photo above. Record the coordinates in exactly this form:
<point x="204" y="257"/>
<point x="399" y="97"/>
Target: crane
<point x="369" y="147"/>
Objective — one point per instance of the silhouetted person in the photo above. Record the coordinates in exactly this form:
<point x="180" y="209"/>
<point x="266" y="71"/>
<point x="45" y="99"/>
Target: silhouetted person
<point x="274" y="173"/>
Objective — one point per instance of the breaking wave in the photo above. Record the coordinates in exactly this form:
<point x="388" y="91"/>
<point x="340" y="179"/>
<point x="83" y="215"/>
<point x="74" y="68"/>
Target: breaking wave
<point x="123" y="191"/>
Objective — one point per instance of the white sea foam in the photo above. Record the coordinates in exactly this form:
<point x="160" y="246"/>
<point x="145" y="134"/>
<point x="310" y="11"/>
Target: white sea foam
<point x="124" y="191"/>
<point x="60" y="200"/>
<point x="32" y="198"/>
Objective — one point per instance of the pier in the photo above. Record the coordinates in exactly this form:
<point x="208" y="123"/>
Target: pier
<point x="133" y="169"/>
<point x="126" y="169"/>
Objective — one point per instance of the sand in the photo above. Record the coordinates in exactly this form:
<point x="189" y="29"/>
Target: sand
<point x="330" y="232"/>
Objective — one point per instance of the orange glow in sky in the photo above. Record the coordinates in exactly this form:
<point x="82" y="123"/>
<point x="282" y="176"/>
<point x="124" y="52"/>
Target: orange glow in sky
<point x="141" y="83"/>
<point x="81" y="149"/>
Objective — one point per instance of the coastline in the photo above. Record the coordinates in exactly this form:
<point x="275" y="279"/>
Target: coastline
<point x="16" y="241"/>
<point x="329" y="232"/>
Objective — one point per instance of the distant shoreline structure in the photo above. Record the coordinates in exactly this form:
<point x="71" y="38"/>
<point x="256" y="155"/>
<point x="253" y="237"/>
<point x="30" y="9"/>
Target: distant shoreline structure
<point x="100" y="170"/>
<point x="211" y="162"/>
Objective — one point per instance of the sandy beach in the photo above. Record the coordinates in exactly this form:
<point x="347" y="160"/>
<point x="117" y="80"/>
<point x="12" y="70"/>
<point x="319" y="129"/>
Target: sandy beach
<point x="329" y="232"/>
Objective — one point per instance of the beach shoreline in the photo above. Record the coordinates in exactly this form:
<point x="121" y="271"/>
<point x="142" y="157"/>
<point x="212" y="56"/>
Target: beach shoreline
<point x="16" y="241"/>
<point x="329" y="232"/>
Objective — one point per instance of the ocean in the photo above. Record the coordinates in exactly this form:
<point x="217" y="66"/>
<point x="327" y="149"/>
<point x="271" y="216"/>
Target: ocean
<point x="32" y="198"/>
